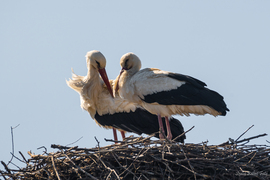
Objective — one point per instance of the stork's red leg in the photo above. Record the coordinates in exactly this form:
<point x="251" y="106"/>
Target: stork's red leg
<point x="160" y="127"/>
<point x="115" y="135"/>
<point x="169" y="133"/>
<point x="123" y="135"/>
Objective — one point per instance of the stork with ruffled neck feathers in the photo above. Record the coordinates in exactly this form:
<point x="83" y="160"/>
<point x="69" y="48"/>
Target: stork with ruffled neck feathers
<point x="113" y="113"/>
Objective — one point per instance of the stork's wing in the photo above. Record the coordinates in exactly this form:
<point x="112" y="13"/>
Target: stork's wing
<point x="165" y="88"/>
<point x="140" y="121"/>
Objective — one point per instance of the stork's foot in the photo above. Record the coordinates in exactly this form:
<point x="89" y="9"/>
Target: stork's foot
<point x="169" y="132"/>
<point x="169" y="136"/>
<point x="123" y="135"/>
<point x="161" y="128"/>
<point x="115" y="136"/>
<point x="161" y="136"/>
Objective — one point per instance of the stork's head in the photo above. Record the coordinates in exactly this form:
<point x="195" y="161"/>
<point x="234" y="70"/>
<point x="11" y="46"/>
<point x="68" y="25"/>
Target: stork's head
<point x="130" y="62"/>
<point x="96" y="60"/>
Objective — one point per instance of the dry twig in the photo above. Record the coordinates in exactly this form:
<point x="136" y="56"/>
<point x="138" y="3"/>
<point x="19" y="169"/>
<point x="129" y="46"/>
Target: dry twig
<point x="144" y="158"/>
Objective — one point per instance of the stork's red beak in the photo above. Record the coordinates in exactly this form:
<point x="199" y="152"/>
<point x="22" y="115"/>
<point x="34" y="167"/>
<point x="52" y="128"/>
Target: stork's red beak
<point x="104" y="76"/>
<point x="117" y="83"/>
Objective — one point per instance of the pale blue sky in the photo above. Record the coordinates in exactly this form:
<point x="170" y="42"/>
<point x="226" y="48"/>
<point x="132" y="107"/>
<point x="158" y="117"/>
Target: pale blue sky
<point x="226" y="44"/>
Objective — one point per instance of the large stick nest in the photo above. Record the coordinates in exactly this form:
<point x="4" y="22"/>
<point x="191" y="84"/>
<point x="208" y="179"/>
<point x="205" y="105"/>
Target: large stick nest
<point x="144" y="158"/>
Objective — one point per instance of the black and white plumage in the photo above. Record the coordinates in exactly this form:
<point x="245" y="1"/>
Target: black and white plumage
<point x="113" y="113"/>
<point x="165" y="93"/>
<point x="140" y="122"/>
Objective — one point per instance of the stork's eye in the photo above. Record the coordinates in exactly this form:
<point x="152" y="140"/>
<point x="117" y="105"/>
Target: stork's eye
<point x="126" y="62"/>
<point x="98" y="64"/>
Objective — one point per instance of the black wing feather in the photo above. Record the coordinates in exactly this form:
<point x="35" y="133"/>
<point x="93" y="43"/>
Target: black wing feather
<point x="140" y="121"/>
<point x="192" y="92"/>
<point x="195" y="82"/>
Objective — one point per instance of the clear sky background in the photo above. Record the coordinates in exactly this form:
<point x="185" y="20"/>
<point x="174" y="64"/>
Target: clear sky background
<point x="226" y="44"/>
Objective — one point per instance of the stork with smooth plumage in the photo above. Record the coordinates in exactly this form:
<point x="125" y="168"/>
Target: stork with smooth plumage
<point x="165" y="93"/>
<point x="113" y="113"/>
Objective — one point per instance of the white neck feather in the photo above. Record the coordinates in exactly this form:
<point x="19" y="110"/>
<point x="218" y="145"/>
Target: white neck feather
<point x="92" y="87"/>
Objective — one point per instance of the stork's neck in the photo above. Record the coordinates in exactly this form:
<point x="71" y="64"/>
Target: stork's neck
<point x="92" y="73"/>
<point x="92" y="87"/>
<point x="124" y="79"/>
<point x="133" y="70"/>
<point x="127" y="75"/>
<point x="126" y="88"/>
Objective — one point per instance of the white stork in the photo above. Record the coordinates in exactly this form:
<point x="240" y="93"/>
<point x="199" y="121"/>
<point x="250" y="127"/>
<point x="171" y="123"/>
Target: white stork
<point x="97" y="98"/>
<point x="165" y="93"/>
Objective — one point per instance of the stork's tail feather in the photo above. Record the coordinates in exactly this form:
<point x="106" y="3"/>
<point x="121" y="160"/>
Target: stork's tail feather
<point x="214" y="100"/>
<point x="177" y="129"/>
<point x="194" y="92"/>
